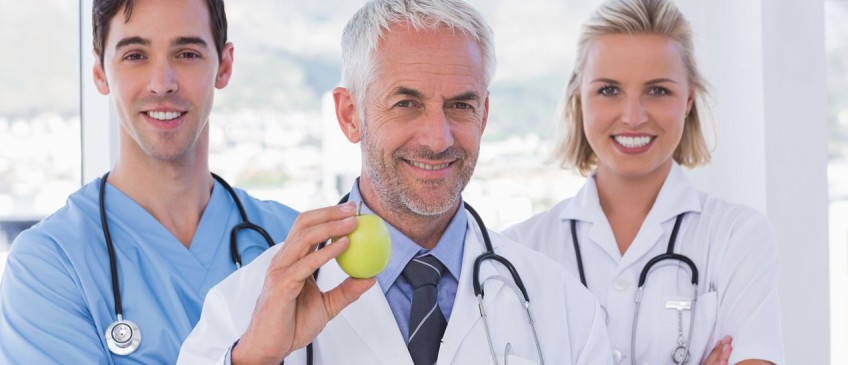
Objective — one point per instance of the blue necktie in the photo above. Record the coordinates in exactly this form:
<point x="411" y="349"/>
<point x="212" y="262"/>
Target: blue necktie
<point x="426" y="322"/>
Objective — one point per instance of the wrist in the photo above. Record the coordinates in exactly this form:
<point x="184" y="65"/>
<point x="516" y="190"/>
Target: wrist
<point x="242" y="353"/>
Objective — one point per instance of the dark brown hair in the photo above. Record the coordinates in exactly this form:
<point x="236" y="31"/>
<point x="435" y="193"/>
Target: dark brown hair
<point x="104" y="10"/>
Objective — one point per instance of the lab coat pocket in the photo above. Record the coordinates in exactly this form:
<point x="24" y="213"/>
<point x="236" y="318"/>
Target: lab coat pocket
<point x="514" y="360"/>
<point x="706" y="312"/>
<point x="661" y="325"/>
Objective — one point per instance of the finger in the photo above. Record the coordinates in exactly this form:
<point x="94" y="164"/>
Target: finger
<point x="315" y="235"/>
<point x="315" y="217"/>
<point x="333" y="212"/>
<point x="302" y="242"/>
<point x="344" y="294"/>
<point x="283" y="284"/>
<point x="715" y="354"/>
<point x="726" y="348"/>
<point x="725" y="353"/>
<point x="304" y="267"/>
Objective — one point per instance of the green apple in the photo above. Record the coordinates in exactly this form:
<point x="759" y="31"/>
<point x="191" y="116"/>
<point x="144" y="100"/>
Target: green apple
<point x="369" y="249"/>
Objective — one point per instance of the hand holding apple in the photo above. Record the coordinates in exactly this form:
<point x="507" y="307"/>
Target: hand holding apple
<point x="369" y="249"/>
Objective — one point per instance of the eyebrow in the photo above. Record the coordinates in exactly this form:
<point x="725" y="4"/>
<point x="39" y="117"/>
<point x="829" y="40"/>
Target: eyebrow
<point x="467" y="96"/>
<point x="605" y="81"/>
<point x="660" y="81"/>
<point x="649" y="82"/>
<point x="185" y="41"/>
<point x="179" y="41"/>
<point x="132" y="41"/>
<point x="403" y="90"/>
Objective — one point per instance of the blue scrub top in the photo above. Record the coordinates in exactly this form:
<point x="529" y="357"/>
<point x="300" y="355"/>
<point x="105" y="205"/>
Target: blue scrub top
<point x="56" y="296"/>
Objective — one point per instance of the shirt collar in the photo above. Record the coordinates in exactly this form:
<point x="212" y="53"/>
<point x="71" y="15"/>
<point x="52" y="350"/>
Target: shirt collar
<point x="448" y="250"/>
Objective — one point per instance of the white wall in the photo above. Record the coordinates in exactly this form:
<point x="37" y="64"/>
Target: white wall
<point x="99" y="125"/>
<point x="766" y="62"/>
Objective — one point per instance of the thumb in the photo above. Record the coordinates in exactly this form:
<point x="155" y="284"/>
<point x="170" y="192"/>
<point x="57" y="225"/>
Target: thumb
<point x="346" y="293"/>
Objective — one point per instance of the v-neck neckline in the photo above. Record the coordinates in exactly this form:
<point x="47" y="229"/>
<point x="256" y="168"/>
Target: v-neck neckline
<point x="121" y="210"/>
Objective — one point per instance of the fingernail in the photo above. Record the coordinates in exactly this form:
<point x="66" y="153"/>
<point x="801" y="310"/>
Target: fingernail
<point x="346" y="207"/>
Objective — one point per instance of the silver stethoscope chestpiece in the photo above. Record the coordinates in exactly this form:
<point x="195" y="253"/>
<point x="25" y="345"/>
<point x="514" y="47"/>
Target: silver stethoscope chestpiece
<point x="123" y="337"/>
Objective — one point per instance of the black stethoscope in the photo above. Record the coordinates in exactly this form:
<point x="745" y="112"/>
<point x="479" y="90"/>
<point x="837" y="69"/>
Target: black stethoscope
<point x="680" y="354"/>
<point x="123" y="337"/>
<point x="478" y="288"/>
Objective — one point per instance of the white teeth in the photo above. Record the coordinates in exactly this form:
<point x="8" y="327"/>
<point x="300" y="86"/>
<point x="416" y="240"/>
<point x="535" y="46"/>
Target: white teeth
<point x="428" y="167"/>
<point x="633" y="142"/>
<point x="163" y="115"/>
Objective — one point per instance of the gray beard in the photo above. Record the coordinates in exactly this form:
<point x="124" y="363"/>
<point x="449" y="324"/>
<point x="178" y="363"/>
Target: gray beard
<point x="398" y="197"/>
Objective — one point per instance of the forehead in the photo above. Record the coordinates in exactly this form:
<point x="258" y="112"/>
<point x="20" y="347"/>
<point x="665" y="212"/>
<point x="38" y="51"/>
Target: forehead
<point x="648" y="55"/>
<point x="404" y="52"/>
<point x="165" y="19"/>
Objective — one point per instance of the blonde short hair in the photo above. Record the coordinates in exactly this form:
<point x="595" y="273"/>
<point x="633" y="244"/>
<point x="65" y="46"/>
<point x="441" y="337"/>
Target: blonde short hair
<point x="659" y="17"/>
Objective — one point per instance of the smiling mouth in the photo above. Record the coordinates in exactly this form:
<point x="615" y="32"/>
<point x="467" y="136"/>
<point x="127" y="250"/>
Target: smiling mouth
<point x="163" y="116"/>
<point x="425" y="166"/>
<point x="633" y="142"/>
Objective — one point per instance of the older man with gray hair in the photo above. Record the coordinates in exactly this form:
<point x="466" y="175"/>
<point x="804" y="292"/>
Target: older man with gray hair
<point x="415" y="76"/>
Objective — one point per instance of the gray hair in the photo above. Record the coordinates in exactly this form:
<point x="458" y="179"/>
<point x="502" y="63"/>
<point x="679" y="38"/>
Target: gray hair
<point x="363" y="32"/>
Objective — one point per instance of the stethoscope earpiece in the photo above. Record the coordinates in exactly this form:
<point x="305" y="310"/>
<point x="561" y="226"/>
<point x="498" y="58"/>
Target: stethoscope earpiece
<point x="123" y="337"/>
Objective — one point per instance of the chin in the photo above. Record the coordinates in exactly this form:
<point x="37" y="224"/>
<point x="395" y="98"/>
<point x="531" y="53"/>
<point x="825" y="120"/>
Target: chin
<point x="430" y="204"/>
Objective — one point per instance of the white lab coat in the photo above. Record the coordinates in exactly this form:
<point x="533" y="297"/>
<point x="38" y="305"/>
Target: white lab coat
<point x="731" y="245"/>
<point x="569" y="320"/>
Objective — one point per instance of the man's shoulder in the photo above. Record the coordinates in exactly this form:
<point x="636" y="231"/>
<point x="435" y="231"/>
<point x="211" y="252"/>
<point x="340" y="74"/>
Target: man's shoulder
<point x="69" y="225"/>
<point x="266" y="209"/>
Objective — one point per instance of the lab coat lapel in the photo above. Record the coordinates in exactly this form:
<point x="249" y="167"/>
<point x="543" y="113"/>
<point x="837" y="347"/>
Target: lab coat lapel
<point x="465" y="313"/>
<point x="675" y="197"/>
<point x="586" y="207"/>
<point x="370" y="317"/>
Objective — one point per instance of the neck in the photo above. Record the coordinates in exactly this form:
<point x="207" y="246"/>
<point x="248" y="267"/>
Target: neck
<point x="626" y="201"/>
<point x="174" y="192"/>
<point x="424" y="230"/>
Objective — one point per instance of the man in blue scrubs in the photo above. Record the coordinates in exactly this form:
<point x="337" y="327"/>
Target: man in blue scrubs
<point x="168" y="218"/>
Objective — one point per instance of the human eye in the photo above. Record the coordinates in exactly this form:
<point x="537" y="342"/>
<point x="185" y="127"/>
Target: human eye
<point x="608" y="90"/>
<point x="189" y="55"/>
<point x="133" y="56"/>
<point x="461" y="106"/>
<point x="404" y="104"/>
<point x="658" y="91"/>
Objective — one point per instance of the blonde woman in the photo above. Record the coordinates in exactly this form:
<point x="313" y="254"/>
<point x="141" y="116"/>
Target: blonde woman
<point x="703" y="269"/>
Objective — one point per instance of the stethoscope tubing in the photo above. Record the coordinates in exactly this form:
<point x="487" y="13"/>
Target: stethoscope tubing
<point x="113" y="262"/>
<point x="643" y="277"/>
<point x="478" y="288"/>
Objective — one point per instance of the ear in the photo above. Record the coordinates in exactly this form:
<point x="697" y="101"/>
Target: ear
<point x="347" y="114"/>
<point x="99" y="75"/>
<point x="225" y="69"/>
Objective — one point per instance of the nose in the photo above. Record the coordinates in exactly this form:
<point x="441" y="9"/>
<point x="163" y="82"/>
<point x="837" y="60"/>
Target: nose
<point x="435" y="131"/>
<point x="163" y="79"/>
<point x="634" y="112"/>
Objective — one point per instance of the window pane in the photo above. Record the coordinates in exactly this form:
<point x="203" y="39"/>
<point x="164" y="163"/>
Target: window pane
<point x="275" y="133"/>
<point x="39" y="112"/>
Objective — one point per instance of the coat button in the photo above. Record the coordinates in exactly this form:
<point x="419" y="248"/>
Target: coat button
<point x="616" y="356"/>
<point x="621" y="284"/>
